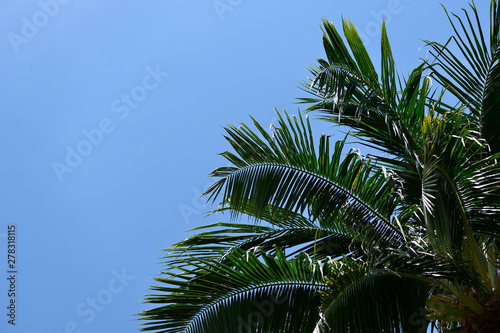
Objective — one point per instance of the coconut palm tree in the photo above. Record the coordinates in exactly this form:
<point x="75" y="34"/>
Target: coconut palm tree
<point x="337" y="241"/>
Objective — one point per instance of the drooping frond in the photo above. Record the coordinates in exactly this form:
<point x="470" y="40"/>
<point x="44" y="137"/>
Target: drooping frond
<point x="285" y="171"/>
<point x="223" y="237"/>
<point x="272" y="294"/>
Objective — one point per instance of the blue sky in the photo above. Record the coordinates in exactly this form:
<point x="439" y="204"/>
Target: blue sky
<point x="111" y="118"/>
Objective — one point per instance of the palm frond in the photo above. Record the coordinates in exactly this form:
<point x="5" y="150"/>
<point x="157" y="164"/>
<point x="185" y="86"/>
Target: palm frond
<point x="271" y="294"/>
<point x="473" y="76"/>
<point x="284" y="171"/>
<point x="222" y="238"/>
<point x="349" y="93"/>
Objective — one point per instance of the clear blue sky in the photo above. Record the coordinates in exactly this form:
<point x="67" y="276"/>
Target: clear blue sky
<point x="111" y="116"/>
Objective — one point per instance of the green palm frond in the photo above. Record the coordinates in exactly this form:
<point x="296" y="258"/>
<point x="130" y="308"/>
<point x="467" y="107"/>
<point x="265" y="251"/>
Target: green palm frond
<point x="384" y="114"/>
<point x="387" y="116"/>
<point x="398" y="284"/>
<point x="284" y="171"/>
<point x="473" y="75"/>
<point x="248" y="294"/>
<point x="395" y="304"/>
<point x="340" y="242"/>
<point x="222" y="237"/>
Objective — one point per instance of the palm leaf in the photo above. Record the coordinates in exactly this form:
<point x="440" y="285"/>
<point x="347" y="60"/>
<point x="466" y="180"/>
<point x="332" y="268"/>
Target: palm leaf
<point x="474" y="75"/>
<point x="284" y="171"/>
<point x="350" y="94"/>
<point x="246" y="295"/>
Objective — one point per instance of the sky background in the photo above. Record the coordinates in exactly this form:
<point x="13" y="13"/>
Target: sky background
<point x="141" y="90"/>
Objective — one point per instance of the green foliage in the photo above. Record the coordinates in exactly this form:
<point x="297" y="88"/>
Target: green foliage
<point x="341" y="242"/>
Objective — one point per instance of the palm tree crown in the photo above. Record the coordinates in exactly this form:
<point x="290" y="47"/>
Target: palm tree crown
<point x="342" y="242"/>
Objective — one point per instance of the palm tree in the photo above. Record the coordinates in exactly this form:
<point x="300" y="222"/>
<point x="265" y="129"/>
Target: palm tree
<point x="337" y="241"/>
